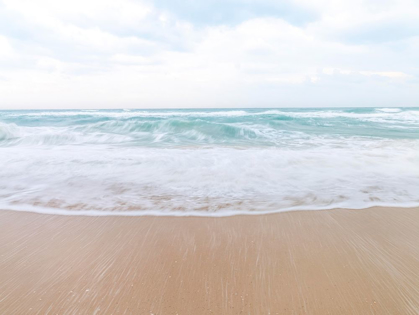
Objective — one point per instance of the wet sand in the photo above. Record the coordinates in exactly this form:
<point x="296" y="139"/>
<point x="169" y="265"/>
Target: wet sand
<point x="308" y="262"/>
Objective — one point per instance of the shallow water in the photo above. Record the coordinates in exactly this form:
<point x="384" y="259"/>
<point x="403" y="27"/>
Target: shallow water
<point x="208" y="162"/>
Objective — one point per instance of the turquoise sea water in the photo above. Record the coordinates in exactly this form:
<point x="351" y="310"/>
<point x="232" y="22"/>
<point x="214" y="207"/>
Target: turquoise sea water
<point x="208" y="162"/>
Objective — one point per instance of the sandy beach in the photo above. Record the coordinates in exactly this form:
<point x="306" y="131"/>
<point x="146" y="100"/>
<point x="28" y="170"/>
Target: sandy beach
<point x="307" y="262"/>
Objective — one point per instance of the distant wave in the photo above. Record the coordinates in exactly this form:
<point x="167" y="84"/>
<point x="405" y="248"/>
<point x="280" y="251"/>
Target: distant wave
<point x="228" y="127"/>
<point x="127" y="113"/>
<point x="130" y="114"/>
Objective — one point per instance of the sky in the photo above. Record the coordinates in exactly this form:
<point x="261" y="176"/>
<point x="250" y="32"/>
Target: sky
<point x="208" y="53"/>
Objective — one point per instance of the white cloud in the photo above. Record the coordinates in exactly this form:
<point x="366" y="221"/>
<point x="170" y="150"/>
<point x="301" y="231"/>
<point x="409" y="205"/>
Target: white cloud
<point x="110" y="11"/>
<point x="132" y="54"/>
<point x="6" y="49"/>
<point x="386" y="74"/>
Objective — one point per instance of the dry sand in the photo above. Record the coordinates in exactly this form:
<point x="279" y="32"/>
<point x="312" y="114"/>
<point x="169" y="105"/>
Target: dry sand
<point x="308" y="262"/>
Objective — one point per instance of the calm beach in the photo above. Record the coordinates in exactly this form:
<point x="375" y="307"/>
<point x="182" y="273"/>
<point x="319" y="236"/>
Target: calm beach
<point x="225" y="157"/>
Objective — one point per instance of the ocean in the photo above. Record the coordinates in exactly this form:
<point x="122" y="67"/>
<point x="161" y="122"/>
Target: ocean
<point x="209" y="162"/>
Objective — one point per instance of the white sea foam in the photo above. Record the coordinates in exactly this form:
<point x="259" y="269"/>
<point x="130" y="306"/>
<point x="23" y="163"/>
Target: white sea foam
<point x="215" y="181"/>
<point x="160" y="213"/>
<point x="389" y="110"/>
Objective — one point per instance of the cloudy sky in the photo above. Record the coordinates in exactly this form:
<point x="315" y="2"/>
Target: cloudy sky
<point x="208" y="53"/>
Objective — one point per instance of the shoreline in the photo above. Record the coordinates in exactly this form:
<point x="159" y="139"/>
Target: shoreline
<point x="295" y="262"/>
<point x="188" y="214"/>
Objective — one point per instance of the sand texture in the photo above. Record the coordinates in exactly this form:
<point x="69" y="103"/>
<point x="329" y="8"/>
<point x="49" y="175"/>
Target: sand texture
<point x="307" y="262"/>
